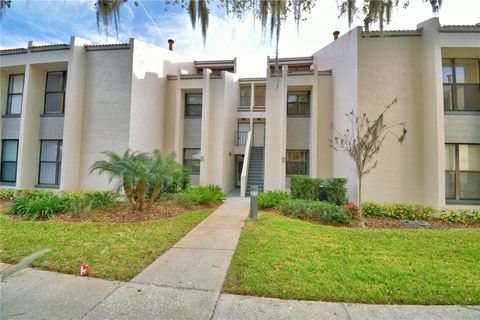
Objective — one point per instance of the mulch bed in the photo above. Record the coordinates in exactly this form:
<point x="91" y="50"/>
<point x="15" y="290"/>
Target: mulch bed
<point x="388" y="223"/>
<point x="124" y="213"/>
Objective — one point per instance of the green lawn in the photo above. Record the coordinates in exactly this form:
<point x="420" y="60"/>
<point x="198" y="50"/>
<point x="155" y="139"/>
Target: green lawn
<point x="112" y="251"/>
<point x="286" y="258"/>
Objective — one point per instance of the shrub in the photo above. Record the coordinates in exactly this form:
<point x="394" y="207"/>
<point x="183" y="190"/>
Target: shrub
<point x="42" y="205"/>
<point x="272" y="198"/>
<point x="322" y="210"/>
<point x="331" y="190"/>
<point x="200" y="195"/>
<point x="352" y="206"/>
<point x="460" y="215"/>
<point x="9" y="194"/>
<point x="96" y="199"/>
<point x="397" y="211"/>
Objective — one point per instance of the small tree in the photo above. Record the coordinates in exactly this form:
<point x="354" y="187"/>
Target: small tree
<point x="362" y="142"/>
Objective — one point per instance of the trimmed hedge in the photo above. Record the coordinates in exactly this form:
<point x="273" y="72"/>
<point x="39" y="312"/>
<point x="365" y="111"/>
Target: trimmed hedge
<point x="10" y="194"/>
<point x="331" y="190"/>
<point x="271" y="199"/>
<point x="397" y="211"/>
<point x="321" y="210"/>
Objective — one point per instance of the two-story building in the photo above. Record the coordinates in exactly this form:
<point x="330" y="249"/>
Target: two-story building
<point x="63" y="104"/>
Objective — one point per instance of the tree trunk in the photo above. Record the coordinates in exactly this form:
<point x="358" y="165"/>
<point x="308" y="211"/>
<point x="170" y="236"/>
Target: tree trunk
<point x="155" y="193"/>
<point x="141" y="195"/>
<point x="129" y="194"/>
<point x="360" y="212"/>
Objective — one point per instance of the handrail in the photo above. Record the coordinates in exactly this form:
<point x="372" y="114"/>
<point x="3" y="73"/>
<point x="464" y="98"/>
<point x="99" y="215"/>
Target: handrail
<point x="246" y="161"/>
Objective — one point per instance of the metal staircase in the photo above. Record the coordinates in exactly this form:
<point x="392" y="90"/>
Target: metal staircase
<point x="256" y="169"/>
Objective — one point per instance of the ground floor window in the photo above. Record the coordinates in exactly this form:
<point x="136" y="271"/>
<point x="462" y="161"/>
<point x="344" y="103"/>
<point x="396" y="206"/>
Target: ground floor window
<point x="462" y="171"/>
<point x="297" y="162"/>
<point x="50" y="162"/>
<point x="191" y="160"/>
<point x="9" y="161"/>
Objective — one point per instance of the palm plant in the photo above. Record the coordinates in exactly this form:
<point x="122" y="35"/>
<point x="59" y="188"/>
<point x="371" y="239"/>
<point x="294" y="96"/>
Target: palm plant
<point x="124" y="168"/>
<point x="143" y="176"/>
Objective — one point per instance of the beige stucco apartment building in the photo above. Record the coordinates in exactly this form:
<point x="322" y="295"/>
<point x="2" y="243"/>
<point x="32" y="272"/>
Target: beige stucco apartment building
<point x="63" y="104"/>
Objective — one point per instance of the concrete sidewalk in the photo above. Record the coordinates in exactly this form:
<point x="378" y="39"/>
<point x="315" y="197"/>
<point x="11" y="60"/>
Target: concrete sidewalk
<point x="185" y="283"/>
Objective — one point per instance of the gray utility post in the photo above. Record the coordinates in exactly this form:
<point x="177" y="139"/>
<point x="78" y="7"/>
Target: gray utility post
<point x="253" y="203"/>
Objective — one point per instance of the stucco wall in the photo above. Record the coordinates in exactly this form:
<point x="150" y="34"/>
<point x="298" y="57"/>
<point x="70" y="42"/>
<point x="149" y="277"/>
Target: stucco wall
<point x="10" y="128"/>
<point x="147" y="115"/>
<point x="107" y="110"/>
<point x="298" y="133"/>
<point x="462" y="128"/>
<point x="51" y="128"/>
<point x="324" y="127"/>
<point x="394" y="65"/>
<point x="341" y="56"/>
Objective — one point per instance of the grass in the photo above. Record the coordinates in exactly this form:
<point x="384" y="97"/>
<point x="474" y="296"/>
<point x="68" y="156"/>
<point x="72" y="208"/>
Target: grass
<point x="287" y="258"/>
<point x="112" y="251"/>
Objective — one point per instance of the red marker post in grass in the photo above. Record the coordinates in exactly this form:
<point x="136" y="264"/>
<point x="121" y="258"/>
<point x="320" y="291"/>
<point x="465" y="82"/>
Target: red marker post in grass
<point x="84" y="270"/>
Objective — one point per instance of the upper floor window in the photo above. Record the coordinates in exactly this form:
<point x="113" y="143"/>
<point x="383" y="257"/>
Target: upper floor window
<point x="245" y="96"/>
<point x="260" y="92"/>
<point x="297" y="162"/>
<point x="55" y="92"/>
<point x="15" y="94"/>
<point x="298" y="104"/>
<point x="9" y="161"/>
<point x="461" y="84"/>
<point x="462" y="171"/>
<point x="193" y="105"/>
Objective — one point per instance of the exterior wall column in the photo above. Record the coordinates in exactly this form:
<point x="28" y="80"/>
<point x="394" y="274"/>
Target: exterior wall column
<point x="73" y="120"/>
<point x="314" y="124"/>
<point x="178" y="127"/>
<point x="29" y="144"/>
<point x="283" y="128"/>
<point x="433" y="115"/>
<point x="205" y="176"/>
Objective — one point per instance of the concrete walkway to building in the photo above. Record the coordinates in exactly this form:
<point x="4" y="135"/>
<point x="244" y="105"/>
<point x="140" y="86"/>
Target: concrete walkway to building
<point x="185" y="283"/>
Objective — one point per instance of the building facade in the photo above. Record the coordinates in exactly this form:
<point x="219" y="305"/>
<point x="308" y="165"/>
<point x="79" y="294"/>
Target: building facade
<point x="62" y="105"/>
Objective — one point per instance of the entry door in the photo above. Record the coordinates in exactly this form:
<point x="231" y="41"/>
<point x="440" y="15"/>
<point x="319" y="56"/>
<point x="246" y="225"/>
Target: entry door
<point x="258" y="134"/>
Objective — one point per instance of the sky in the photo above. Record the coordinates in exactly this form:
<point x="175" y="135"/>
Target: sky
<point x="54" y="21"/>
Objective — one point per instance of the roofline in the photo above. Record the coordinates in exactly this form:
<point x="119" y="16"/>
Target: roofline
<point x="391" y="33"/>
<point x="291" y="59"/>
<point x="214" y="62"/>
<point x="460" y="28"/>
<point x="100" y="47"/>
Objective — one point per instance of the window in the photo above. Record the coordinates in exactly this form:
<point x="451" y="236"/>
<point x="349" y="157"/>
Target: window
<point x="193" y="105"/>
<point x="297" y="162"/>
<point x="55" y="92"/>
<point x="9" y="160"/>
<point x="15" y="94"/>
<point x="259" y="96"/>
<point x="50" y="162"/>
<point x="245" y="96"/>
<point x="298" y="104"/>
<point x="462" y="171"/>
<point x="461" y="84"/>
<point x="191" y="160"/>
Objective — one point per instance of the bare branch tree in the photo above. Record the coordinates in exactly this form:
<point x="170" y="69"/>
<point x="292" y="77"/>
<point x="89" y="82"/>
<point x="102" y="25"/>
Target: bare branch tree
<point x="363" y="140"/>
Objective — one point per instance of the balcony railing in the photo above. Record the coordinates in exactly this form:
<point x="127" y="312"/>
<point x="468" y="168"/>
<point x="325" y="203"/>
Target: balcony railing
<point x="461" y="97"/>
<point x="241" y="138"/>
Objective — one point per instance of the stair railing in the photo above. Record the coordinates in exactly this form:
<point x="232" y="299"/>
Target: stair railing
<point x="246" y="161"/>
